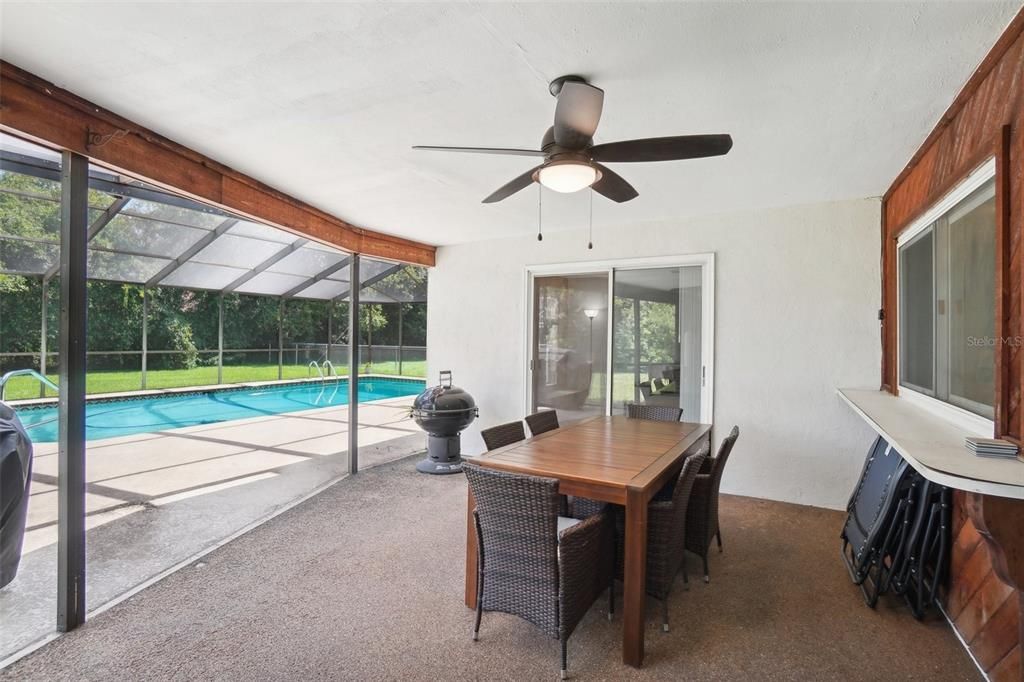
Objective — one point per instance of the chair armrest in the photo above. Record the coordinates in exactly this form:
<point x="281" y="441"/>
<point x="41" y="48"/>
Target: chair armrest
<point x="701" y="487"/>
<point x="585" y="536"/>
<point x="701" y="515"/>
<point x="585" y="556"/>
<point x="660" y="515"/>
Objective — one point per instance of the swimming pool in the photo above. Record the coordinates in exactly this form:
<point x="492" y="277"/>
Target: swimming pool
<point x="125" y="416"/>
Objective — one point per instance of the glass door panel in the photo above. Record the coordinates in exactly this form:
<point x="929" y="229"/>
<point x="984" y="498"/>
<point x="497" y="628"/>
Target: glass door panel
<point x="656" y="339"/>
<point x="570" y="338"/>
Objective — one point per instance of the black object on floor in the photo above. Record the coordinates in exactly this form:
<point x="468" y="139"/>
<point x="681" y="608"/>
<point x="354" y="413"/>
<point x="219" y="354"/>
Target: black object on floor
<point x="443" y="411"/>
<point x="896" y="535"/>
<point x="15" y="479"/>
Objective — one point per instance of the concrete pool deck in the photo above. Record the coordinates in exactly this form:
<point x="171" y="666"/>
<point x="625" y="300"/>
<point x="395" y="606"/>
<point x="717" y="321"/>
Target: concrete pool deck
<point x="155" y="500"/>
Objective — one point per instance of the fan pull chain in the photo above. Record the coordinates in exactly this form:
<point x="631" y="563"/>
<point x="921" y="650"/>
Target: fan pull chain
<point x="590" y="236"/>
<point x="540" y="201"/>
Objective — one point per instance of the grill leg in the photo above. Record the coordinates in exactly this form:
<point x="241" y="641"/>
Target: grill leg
<point x="664" y="614"/>
<point x="718" y="536"/>
<point x="565" y="666"/>
<point x="686" y="577"/>
<point x="707" y="575"/>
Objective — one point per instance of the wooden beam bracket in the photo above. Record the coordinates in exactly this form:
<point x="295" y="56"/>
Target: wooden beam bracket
<point x="94" y="139"/>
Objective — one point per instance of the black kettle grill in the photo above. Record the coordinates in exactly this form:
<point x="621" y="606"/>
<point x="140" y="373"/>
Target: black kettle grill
<point x="443" y="411"/>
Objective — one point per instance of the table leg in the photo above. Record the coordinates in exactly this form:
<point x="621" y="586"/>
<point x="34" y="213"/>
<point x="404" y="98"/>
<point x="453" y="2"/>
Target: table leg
<point x="635" y="578"/>
<point x="471" y="555"/>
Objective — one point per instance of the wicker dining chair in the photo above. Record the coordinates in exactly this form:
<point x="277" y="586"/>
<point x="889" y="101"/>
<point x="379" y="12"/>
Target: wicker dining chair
<point x="702" y="518"/>
<point x="507" y="434"/>
<point x="661" y="413"/>
<point x="526" y="566"/>
<point x="542" y="422"/>
<point x="504" y="434"/>
<point x="666" y="534"/>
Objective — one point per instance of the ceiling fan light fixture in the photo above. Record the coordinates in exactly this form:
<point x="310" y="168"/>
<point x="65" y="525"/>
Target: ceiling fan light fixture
<point x="568" y="176"/>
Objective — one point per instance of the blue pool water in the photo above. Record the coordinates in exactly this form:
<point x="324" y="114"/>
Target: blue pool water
<point x="110" y="418"/>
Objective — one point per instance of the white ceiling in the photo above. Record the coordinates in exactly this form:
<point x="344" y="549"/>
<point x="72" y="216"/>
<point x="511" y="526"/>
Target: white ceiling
<point x="824" y="101"/>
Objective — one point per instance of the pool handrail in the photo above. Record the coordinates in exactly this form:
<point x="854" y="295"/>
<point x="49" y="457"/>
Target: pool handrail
<point x="332" y="372"/>
<point x="24" y="373"/>
<point x="314" y="365"/>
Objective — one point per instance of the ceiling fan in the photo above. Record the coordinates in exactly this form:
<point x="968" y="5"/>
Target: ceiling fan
<point x="571" y="159"/>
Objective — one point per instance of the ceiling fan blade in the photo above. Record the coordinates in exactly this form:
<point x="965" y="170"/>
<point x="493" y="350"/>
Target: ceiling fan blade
<point x="510" y="188"/>
<point x="577" y="114"/>
<point x="662" y="148"/>
<point x="482" y="150"/>
<point x="613" y="185"/>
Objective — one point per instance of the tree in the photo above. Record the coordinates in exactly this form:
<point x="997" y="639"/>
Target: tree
<point x="179" y="320"/>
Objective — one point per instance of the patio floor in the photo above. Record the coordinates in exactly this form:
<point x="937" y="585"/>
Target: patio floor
<point x="364" y="581"/>
<point x="154" y="500"/>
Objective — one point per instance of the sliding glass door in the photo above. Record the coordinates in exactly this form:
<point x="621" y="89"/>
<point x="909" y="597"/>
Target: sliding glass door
<point x="570" y="344"/>
<point x="604" y="335"/>
<point x="656" y="337"/>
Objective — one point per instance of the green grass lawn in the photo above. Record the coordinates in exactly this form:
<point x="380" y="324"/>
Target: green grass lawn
<point x="98" y="382"/>
<point x="622" y="387"/>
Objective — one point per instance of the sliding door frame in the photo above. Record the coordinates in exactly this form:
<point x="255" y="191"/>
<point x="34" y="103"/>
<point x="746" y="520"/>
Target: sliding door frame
<point x="706" y="261"/>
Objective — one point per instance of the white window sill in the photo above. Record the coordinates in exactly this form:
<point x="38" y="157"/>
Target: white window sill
<point x="935" y="446"/>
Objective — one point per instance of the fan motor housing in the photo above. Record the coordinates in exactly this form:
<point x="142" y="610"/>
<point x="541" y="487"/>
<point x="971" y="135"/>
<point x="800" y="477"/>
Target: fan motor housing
<point x="552" y="150"/>
<point x="555" y="86"/>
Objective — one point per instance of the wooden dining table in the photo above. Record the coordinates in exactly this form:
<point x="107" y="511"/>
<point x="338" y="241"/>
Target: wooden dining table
<point x="611" y="459"/>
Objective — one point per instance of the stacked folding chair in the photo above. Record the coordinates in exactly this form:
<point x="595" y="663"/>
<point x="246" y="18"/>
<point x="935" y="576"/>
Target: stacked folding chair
<point x="896" y="535"/>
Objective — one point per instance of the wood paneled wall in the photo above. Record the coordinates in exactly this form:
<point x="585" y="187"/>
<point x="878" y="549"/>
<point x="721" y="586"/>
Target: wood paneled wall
<point x="985" y="120"/>
<point x="983" y="609"/>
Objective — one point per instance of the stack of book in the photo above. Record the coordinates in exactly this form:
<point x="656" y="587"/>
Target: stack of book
<point x="991" y="447"/>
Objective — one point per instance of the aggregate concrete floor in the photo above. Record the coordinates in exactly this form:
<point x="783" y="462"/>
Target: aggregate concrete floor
<point x="156" y="499"/>
<point x="364" y="582"/>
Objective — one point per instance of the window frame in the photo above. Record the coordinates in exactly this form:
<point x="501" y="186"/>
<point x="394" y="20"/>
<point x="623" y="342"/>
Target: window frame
<point x="706" y="260"/>
<point x="962" y="418"/>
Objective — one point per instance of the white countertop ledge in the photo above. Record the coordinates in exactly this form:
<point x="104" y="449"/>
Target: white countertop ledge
<point x="933" y="446"/>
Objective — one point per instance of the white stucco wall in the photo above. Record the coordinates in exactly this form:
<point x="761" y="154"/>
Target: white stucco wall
<point x="797" y="296"/>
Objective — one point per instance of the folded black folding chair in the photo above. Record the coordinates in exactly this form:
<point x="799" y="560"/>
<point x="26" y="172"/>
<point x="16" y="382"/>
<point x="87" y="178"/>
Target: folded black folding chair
<point x="919" y="513"/>
<point x="927" y="553"/>
<point x="875" y="517"/>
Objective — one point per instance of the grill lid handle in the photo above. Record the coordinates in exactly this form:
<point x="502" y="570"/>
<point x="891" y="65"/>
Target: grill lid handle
<point x="446" y="375"/>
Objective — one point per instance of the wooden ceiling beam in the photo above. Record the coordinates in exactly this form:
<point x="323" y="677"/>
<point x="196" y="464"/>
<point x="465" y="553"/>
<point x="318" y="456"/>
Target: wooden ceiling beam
<point x="39" y="110"/>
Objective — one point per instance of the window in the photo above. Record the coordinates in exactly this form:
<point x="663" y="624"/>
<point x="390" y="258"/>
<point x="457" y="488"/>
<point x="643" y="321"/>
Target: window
<point x="947" y="303"/>
<point x="605" y="333"/>
<point x="656" y="339"/>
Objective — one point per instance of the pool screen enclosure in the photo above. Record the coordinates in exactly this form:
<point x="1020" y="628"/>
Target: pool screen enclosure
<point x="116" y="228"/>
